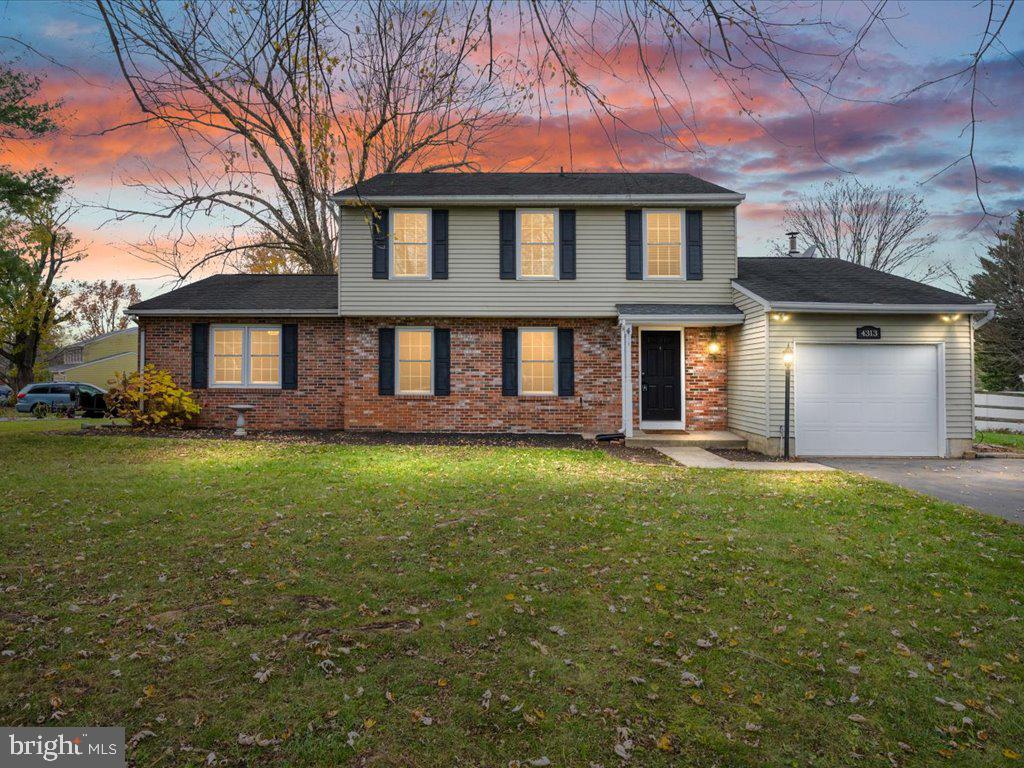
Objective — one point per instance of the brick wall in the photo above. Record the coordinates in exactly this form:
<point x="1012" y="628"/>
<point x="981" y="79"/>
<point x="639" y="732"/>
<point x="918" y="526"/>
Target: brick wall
<point x="340" y="356"/>
<point x="316" y="404"/>
<point x="476" y="403"/>
<point x="705" y="380"/>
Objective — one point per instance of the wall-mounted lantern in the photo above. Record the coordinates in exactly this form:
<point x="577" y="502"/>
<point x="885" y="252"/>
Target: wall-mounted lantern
<point x="714" y="346"/>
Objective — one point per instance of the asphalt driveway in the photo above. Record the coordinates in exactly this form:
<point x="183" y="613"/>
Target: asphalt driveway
<point x="995" y="486"/>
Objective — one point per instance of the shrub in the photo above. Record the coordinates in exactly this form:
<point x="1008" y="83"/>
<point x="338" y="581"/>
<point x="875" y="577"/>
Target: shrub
<point x="150" y="399"/>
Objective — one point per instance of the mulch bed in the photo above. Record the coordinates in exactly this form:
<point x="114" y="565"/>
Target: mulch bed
<point x="1007" y="451"/>
<point x="340" y="437"/>
<point x="740" y="454"/>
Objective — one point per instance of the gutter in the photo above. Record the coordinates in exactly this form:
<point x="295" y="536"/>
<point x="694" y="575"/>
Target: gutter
<point x="233" y="312"/>
<point x="730" y="199"/>
<point x="836" y="307"/>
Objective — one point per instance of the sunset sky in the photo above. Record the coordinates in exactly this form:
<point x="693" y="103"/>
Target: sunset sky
<point x="902" y="143"/>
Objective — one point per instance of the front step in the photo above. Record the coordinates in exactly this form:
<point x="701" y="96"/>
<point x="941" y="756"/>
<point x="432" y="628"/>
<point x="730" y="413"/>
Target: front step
<point x="711" y="439"/>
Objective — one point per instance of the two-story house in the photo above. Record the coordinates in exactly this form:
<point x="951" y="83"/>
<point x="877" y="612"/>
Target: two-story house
<point x="97" y="360"/>
<point x="574" y="303"/>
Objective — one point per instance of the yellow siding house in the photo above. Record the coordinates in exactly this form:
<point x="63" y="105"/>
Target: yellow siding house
<point x="95" y="361"/>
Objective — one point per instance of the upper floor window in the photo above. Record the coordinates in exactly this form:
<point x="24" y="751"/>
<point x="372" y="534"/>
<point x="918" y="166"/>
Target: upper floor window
<point x="537" y="361"/>
<point x="246" y="356"/>
<point x="410" y="243"/>
<point x="537" y="243"/>
<point x="415" y="361"/>
<point x="663" y="243"/>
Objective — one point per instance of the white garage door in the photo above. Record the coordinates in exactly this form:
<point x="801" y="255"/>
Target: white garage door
<point x="867" y="400"/>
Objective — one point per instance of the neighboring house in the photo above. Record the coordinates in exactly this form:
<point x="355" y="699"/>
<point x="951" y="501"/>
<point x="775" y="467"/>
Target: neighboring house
<point x="97" y="360"/>
<point x="575" y="303"/>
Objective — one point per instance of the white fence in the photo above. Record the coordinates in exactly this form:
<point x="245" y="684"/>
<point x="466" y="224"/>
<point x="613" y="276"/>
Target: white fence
<point x="999" y="410"/>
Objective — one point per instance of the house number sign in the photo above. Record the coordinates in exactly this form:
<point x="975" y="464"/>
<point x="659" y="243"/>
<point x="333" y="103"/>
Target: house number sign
<point x="872" y="332"/>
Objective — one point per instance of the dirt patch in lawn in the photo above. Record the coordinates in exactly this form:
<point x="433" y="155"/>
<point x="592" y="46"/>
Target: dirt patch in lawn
<point x="341" y="437"/>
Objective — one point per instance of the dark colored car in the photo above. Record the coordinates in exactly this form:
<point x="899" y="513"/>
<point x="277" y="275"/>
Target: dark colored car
<point x="5" y="394"/>
<point x="60" y="395"/>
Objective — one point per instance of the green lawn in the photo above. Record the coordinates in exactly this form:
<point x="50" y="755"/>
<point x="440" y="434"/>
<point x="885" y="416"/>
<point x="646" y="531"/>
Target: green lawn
<point x="410" y="606"/>
<point x="1001" y="438"/>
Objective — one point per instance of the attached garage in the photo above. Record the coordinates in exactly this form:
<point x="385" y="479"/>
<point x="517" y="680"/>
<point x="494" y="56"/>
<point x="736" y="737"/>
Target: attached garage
<point x="881" y="365"/>
<point x="861" y="400"/>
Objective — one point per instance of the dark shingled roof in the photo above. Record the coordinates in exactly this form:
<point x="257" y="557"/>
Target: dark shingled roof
<point x="677" y="309"/>
<point x="808" y="279"/>
<point x="472" y="184"/>
<point x="294" y="294"/>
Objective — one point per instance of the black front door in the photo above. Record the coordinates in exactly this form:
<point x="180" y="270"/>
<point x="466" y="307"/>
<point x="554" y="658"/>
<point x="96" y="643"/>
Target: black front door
<point x="660" y="380"/>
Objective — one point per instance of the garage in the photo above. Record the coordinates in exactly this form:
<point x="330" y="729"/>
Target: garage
<point x="868" y="400"/>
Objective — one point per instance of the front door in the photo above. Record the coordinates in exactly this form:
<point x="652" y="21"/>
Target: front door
<point x="660" y="385"/>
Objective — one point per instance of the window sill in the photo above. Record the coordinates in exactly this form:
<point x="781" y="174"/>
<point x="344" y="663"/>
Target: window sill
<point x="247" y="388"/>
<point x="415" y="395"/>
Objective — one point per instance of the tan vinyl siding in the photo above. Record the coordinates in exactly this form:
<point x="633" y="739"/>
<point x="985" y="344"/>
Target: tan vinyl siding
<point x="100" y="372"/>
<point x="474" y="288"/>
<point x="112" y="344"/>
<point x="896" y="329"/>
<point x="748" y="368"/>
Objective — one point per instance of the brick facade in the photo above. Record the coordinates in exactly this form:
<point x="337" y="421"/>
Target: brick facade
<point x="705" y="381"/>
<point x="476" y="403"/>
<point x="316" y="404"/>
<point x="338" y="379"/>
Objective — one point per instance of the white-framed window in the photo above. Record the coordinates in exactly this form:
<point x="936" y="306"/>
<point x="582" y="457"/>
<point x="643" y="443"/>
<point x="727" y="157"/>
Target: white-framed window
<point x="537" y="370"/>
<point x="410" y="243"/>
<point x="414" y="369"/>
<point x="245" y="356"/>
<point x="537" y="243"/>
<point x="663" y="243"/>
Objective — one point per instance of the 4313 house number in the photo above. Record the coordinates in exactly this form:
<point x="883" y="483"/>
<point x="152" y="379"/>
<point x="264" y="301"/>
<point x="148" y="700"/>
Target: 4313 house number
<point x="869" y="332"/>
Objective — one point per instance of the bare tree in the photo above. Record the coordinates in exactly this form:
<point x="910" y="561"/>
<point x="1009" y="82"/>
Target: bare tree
<point x="268" y="99"/>
<point x="99" y="306"/>
<point x="666" y="51"/>
<point x="881" y="228"/>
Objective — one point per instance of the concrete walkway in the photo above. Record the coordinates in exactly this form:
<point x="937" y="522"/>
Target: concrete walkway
<point x="698" y="457"/>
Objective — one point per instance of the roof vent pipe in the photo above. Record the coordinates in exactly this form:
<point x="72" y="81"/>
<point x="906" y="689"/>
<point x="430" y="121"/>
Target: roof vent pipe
<point x="793" y="250"/>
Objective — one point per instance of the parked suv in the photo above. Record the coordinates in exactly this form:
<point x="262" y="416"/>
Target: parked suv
<point x="59" y="396"/>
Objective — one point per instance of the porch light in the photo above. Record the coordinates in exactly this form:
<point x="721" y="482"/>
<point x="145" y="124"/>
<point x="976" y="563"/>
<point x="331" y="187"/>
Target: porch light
<point x="714" y="346"/>
<point x="787" y="357"/>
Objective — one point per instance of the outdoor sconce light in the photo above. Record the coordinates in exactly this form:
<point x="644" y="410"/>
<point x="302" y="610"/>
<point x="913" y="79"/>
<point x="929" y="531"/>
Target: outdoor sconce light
<point x="781" y="317"/>
<point x="714" y="346"/>
<point x="950" y="318"/>
<point x="787" y="361"/>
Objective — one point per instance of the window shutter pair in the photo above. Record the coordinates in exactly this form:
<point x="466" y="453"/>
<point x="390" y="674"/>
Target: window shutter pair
<point x="201" y="356"/>
<point x="694" y="237"/>
<point x="380" y="228"/>
<point x="387" y="360"/>
<point x="565" y="364"/>
<point x="566" y="244"/>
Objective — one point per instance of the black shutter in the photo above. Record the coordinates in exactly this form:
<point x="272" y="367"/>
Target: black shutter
<point x="200" y="355"/>
<point x="379" y="230"/>
<point x="507" y="245"/>
<point x="634" y="245"/>
<point x="566" y="369"/>
<point x="567" y="245"/>
<point x="290" y="356"/>
<point x="386" y="361"/>
<point x="510" y="362"/>
<point x="694" y="245"/>
<point x="439" y="250"/>
<point x="442" y="361"/>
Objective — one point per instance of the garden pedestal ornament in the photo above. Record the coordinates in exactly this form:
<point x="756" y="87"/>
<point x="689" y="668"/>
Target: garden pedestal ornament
<point x="241" y="409"/>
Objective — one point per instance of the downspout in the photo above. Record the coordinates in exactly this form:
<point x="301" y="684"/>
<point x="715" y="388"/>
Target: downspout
<point x="977" y="322"/>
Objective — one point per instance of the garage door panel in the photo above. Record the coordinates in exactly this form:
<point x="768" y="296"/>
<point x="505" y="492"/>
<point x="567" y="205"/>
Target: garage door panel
<point x="861" y="400"/>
